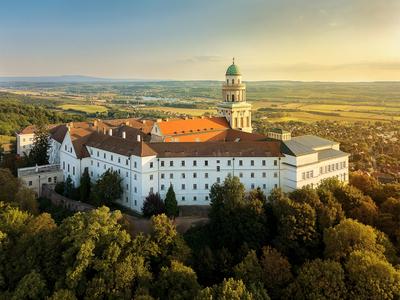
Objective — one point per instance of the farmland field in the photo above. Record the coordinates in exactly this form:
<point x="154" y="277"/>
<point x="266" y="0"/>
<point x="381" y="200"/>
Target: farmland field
<point x="85" y="108"/>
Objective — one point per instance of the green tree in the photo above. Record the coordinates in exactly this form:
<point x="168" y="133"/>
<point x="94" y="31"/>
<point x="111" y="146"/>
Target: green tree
<point x="108" y="188"/>
<point x="350" y="235"/>
<point x="297" y="234"/>
<point x="171" y="246"/>
<point x="249" y="270"/>
<point x="98" y="256"/>
<point x="229" y="289"/>
<point x="85" y="186"/>
<point x="31" y="286"/>
<point x="176" y="282"/>
<point x="276" y="271"/>
<point x="153" y="205"/>
<point x="371" y="277"/>
<point x="319" y="279"/>
<point x="69" y="187"/>
<point x="235" y="220"/>
<point x="39" y="154"/>
<point x="26" y="200"/>
<point x="171" y="205"/>
<point x="9" y="186"/>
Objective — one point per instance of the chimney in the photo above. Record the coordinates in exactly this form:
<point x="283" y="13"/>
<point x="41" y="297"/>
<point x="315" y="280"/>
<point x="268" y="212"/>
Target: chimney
<point x="159" y="120"/>
<point x="110" y="132"/>
<point x="123" y="134"/>
<point x="138" y="138"/>
<point x="143" y="121"/>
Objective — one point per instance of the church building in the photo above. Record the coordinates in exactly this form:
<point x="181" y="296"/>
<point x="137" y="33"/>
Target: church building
<point x="194" y="153"/>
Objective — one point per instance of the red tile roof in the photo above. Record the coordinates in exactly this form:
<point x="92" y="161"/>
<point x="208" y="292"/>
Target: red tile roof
<point x="177" y="127"/>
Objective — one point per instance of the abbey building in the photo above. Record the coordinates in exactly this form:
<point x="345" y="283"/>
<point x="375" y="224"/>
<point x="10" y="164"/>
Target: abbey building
<point x="192" y="154"/>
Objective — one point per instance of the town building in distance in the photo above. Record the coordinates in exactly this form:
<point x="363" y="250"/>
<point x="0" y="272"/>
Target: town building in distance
<point x="194" y="153"/>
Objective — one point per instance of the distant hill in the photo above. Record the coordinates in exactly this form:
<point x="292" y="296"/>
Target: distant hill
<point x="62" y="78"/>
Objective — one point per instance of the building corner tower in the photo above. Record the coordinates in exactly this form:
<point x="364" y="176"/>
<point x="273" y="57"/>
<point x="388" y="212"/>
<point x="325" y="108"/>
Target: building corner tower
<point x="234" y="106"/>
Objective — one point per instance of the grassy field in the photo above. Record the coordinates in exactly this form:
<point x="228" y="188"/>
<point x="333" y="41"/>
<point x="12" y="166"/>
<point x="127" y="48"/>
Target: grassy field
<point x="86" y="108"/>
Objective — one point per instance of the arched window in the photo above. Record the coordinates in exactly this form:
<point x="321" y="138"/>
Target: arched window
<point x="227" y="81"/>
<point x="227" y="97"/>
<point x="233" y="81"/>
<point x="233" y="98"/>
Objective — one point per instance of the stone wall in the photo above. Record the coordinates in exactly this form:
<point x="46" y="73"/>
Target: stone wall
<point x="59" y="200"/>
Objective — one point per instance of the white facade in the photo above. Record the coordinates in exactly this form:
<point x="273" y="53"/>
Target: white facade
<point x="35" y="177"/>
<point x="24" y="143"/>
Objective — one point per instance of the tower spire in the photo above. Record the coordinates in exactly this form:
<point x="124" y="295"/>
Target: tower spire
<point x="233" y="61"/>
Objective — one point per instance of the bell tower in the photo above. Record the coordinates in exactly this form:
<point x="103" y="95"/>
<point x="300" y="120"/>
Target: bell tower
<point x="234" y="106"/>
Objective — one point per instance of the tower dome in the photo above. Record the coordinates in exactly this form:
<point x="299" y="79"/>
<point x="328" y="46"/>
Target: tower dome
<point x="233" y="70"/>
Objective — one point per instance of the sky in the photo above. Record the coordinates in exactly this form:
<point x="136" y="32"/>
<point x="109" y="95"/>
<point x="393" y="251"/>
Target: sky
<point x="308" y="40"/>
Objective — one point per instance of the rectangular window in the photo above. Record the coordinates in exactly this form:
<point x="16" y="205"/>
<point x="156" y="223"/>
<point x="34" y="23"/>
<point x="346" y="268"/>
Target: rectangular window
<point x="171" y="175"/>
<point x="183" y="175"/>
<point x="98" y="153"/>
<point x="240" y="175"/>
<point x="206" y="186"/>
<point x="206" y="163"/>
<point x="119" y="160"/>
<point x="182" y="163"/>
<point x="218" y="161"/>
<point x="126" y="162"/>
<point x="63" y="165"/>
<point x="252" y="163"/>
<point x="55" y="178"/>
<point x="135" y="176"/>
<point x="30" y="183"/>
<point x="151" y="164"/>
<point x="91" y="162"/>
<point x="162" y="175"/>
<point x="98" y="164"/>
<point x="275" y="186"/>
<point x="162" y="163"/>
<point x="91" y="174"/>
<point x="194" y="198"/>
<point x="229" y="163"/>
<point x="194" y="175"/>
<point x="183" y="198"/>
<point x="218" y="180"/>
<point x="206" y="198"/>
<point x="218" y="168"/>
<point x="194" y="163"/>
<point x="135" y="189"/>
<point x="151" y="177"/>
<point x="303" y="175"/>
<point x="240" y="162"/>
<point x="135" y="202"/>
<point x="183" y="186"/>
<point x="104" y="155"/>
<point x="275" y="162"/>
<point x="264" y="186"/>
<point x="171" y="163"/>
<point x="112" y="157"/>
<point x="135" y="164"/>
<point x="162" y="187"/>
<point x="68" y="168"/>
<point x="195" y="186"/>
<point x="264" y="174"/>
<point x="73" y="170"/>
<point x="49" y="179"/>
<point x="127" y="174"/>
<point x="264" y="163"/>
<point x="252" y="175"/>
<point x="252" y="186"/>
<point x="275" y="175"/>
<point x="205" y="175"/>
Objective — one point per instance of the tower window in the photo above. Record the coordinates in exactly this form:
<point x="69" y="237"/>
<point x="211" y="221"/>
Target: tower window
<point x="227" y="81"/>
<point x="233" y="81"/>
<point x="233" y="98"/>
<point x="227" y="97"/>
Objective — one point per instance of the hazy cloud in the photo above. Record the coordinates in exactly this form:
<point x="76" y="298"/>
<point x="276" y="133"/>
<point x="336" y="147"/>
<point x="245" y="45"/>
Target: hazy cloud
<point x="201" y="59"/>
